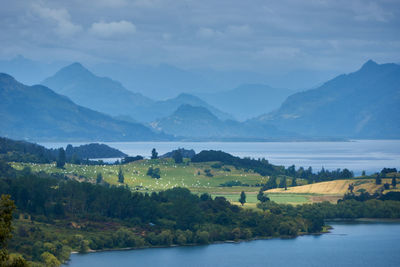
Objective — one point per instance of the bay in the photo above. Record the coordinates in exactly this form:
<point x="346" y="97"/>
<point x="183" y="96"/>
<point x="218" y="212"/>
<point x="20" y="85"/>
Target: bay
<point x="348" y="244"/>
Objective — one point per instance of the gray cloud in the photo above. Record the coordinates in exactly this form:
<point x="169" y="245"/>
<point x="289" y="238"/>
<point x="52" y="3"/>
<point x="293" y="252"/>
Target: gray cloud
<point x="256" y="35"/>
<point x="112" y="29"/>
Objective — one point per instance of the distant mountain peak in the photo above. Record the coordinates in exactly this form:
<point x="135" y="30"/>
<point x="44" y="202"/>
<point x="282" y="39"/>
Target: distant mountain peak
<point x="186" y="108"/>
<point x="369" y="64"/>
<point x="76" y="67"/>
<point x="185" y="96"/>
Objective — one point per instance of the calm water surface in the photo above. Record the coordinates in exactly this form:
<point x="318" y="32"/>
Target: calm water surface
<point x="358" y="155"/>
<point x="349" y="244"/>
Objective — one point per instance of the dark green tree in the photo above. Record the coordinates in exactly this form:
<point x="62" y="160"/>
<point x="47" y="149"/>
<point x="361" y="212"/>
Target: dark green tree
<point x="283" y="183"/>
<point x="271" y="183"/>
<point x="294" y="183"/>
<point x="378" y="179"/>
<point x="386" y="186"/>
<point x="394" y="182"/>
<point x="242" y="198"/>
<point x="99" y="178"/>
<point x="177" y="156"/>
<point x="61" y="158"/>
<point x="261" y="196"/>
<point x="351" y="188"/>
<point x="154" y="154"/>
<point x="363" y="173"/>
<point x="7" y="208"/>
<point x="75" y="159"/>
<point x="121" y="177"/>
<point x="154" y="172"/>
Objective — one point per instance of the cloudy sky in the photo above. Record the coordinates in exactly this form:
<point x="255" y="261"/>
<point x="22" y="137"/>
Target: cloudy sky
<point x="273" y="36"/>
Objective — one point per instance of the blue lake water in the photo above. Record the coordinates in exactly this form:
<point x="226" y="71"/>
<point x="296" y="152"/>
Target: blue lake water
<point x="357" y="155"/>
<point x="348" y="244"/>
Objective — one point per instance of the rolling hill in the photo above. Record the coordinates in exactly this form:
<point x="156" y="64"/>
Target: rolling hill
<point x="38" y="113"/>
<point x="363" y="104"/>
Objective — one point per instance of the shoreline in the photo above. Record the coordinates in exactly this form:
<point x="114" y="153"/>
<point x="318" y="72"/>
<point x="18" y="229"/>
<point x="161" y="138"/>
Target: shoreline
<point x="327" y="229"/>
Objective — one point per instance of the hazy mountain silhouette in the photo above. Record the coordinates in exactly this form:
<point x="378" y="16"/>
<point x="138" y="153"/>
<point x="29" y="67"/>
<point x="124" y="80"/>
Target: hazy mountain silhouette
<point x="249" y="100"/>
<point x="363" y="104"/>
<point x="110" y="97"/>
<point x="38" y="113"/>
<point x="28" y="71"/>
<point x="198" y="122"/>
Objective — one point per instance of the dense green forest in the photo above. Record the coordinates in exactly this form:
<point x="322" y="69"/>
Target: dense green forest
<point x="22" y="151"/>
<point x="56" y="215"/>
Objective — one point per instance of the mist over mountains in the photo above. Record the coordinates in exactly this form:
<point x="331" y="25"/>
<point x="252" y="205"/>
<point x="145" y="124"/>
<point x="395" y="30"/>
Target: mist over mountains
<point x="38" y="113"/>
<point x="109" y="96"/>
<point x="248" y="100"/>
<point x="363" y="104"/>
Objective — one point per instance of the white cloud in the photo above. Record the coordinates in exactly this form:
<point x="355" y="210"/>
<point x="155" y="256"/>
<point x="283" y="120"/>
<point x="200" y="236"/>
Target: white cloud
<point x="61" y="17"/>
<point x="207" y="33"/>
<point x="239" y="30"/>
<point x="121" y="28"/>
<point x="370" y="12"/>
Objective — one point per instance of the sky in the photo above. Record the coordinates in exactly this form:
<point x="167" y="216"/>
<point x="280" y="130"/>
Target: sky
<point x="254" y="35"/>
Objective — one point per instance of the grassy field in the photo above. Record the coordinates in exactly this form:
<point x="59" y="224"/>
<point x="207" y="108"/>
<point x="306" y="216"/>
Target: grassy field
<point x="190" y="175"/>
<point x="337" y="187"/>
<point x="251" y="198"/>
<point x="328" y="191"/>
<point x="194" y="177"/>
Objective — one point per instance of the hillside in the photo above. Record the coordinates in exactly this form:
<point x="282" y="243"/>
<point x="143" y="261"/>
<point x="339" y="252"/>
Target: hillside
<point x="108" y="96"/>
<point x="249" y="100"/>
<point x="363" y="104"/>
<point x="38" y="113"/>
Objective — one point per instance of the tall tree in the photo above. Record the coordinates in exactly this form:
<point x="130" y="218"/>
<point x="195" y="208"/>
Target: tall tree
<point x="261" y="196"/>
<point x="61" y="158"/>
<point x="283" y="183"/>
<point x="99" y="178"/>
<point x="242" y="198"/>
<point x="121" y="177"/>
<point x="7" y="207"/>
<point x="154" y="154"/>
<point x="177" y="156"/>
<point x="394" y="182"/>
<point x="378" y="179"/>
<point x="351" y="188"/>
<point x="294" y="183"/>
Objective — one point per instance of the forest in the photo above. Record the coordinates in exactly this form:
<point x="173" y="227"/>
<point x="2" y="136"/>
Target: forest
<point x="56" y="215"/>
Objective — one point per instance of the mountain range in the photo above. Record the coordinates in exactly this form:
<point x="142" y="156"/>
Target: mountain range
<point x="248" y="100"/>
<point x="111" y="97"/>
<point x="38" y="113"/>
<point x="199" y="123"/>
<point x="363" y="104"/>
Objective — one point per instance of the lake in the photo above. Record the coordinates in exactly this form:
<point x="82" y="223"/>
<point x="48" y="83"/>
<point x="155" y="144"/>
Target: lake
<point x="357" y="155"/>
<point x="348" y="244"/>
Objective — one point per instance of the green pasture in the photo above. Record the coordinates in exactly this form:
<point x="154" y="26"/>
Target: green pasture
<point x="190" y="175"/>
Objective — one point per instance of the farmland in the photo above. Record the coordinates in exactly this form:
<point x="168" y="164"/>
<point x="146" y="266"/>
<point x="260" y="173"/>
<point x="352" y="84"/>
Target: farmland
<point x="199" y="177"/>
<point x="206" y="177"/>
